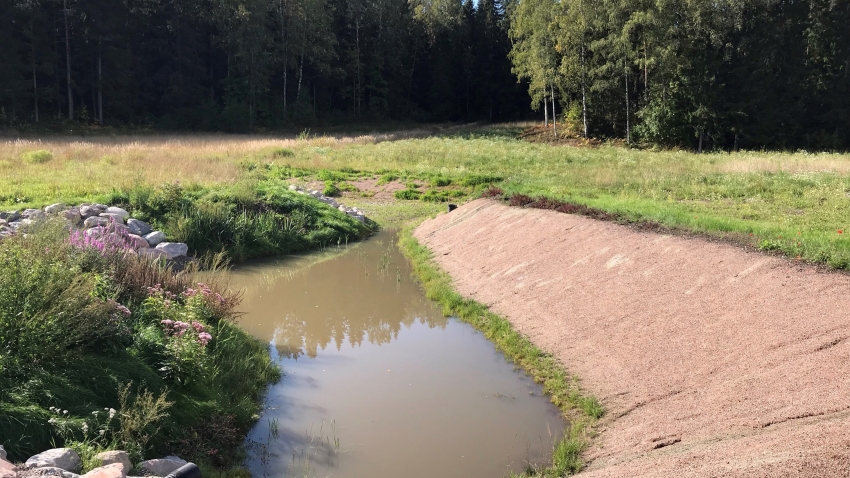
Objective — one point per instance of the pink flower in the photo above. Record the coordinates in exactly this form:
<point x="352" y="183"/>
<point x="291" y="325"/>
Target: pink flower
<point x="199" y="327"/>
<point x="190" y="292"/>
<point x="204" y="338"/>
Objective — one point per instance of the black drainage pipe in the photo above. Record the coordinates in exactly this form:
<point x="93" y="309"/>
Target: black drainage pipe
<point x="452" y="207"/>
<point x="189" y="470"/>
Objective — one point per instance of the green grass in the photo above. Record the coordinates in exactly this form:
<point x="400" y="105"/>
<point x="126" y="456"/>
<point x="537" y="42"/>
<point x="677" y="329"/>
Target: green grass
<point x="65" y="343"/>
<point x="581" y="410"/>
<point x="36" y="157"/>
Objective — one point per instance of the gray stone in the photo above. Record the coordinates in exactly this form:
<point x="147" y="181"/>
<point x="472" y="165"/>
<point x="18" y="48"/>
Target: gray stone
<point x="95" y="221"/>
<point x="55" y="208"/>
<point x="137" y="227"/>
<point x="34" y="214"/>
<point x="293" y="187"/>
<point x="50" y="471"/>
<point x="72" y="215"/>
<point x="173" y="249"/>
<point x="2" y="453"/>
<point x="115" y="456"/>
<point x="64" y="458"/>
<point x="89" y="211"/>
<point x="153" y="253"/>
<point x="160" y="467"/>
<point x="10" y="216"/>
<point x="117" y="210"/>
<point x="155" y="238"/>
<point x="138" y="242"/>
<point x="114" y="217"/>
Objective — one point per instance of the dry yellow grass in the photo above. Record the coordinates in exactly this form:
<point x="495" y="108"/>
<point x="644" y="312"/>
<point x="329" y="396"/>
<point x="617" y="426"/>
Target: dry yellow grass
<point x="95" y="165"/>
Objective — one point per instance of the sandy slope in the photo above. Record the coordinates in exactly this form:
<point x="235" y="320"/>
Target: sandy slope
<point x="711" y="361"/>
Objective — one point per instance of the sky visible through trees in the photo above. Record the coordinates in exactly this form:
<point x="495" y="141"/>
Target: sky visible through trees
<point x="700" y="74"/>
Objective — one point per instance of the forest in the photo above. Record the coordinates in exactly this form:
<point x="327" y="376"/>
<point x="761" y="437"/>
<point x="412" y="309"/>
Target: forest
<point x="698" y="74"/>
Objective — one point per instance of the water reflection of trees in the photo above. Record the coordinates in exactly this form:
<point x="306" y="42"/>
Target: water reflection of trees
<point x="295" y="337"/>
<point x="363" y="294"/>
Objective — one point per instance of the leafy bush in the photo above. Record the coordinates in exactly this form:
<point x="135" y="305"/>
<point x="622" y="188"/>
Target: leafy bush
<point x="36" y="157"/>
<point x="327" y="175"/>
<point x="331" y="189"/>
<point x="79" y="325"/>
<point x="408" y="194"/>
<point x="476" y="180"/>
<point x="439" y="181"/>
<point x="432" y="195"/>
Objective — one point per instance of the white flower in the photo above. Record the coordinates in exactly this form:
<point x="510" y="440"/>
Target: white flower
<point x="102" y="432"/>
<point x="111" y="413"/>
<point x="85" y="428"/>
<point x="65" y="412"/>
<point x="94" y="413"/>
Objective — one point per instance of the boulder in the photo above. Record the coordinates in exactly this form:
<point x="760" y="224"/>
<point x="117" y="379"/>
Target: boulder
<point x="2" y="453"/>
<point x="160" y="467"/>
<point x="64" y="458"/>
<point x="155" y="238"/>
<point x="173" y="249"/>
<point x="113" y="217"/>
<point x="115" y="456"/>
<point x="10" y="216"/>
<point x="7" y="470"/>
<point x="153" y="253"/>
<point x="102" y="207"/>
<point x="50" y="471"/>
<point x="138" y="242"/>
<point x="55" y="208"/>
<point x="88" y="211"/>
<point x="113" y="470"/>
<point x="73" y="215"/>
<point x="117" y="210"/>
<point x="137" y="227"/>
<point x="95" y="221"/>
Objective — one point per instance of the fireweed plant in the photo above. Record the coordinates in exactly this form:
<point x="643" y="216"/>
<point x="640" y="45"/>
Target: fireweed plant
<point x="88" y="326"/>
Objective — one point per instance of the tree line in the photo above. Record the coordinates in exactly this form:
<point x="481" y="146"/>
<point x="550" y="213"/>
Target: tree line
<point x="697" y="73"/>
<point x="702" y="74"/>
<point x="245" y="65"/>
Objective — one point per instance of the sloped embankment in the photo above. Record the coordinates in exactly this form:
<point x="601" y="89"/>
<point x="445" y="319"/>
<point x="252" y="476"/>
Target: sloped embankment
<point x="710" y="360"/>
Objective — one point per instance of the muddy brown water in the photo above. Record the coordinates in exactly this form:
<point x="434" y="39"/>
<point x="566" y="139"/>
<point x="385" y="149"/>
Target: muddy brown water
<point x="377" y="382"/>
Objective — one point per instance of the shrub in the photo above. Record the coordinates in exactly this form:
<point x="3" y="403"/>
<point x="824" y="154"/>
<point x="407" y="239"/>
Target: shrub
<point x="492" y="192"/>
<point x="475" y="180"/>
<point x="407" y="194"/>
<point x="36" y="157"/>
<point x="438" y="181"/>
<point x="432" y="195"/>
<point x="331" y="189"/>
<point x="282" y="153"/>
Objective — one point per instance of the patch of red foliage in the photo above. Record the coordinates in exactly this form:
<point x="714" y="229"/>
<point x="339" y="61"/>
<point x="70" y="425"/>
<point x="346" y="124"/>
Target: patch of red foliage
<point x="521" y="200"/>
<point x="492" y="192"/>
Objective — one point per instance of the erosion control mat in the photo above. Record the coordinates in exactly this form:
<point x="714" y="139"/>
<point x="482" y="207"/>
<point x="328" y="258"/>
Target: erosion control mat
<point x="710" y="360"/>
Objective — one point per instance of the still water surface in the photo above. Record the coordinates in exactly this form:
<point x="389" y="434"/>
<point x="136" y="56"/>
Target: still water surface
<point x="377" y="382"/>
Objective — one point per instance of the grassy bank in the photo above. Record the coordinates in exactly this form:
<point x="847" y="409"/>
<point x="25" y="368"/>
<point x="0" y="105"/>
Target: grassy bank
<point x="788" y="202"/>
<point x="101" y="349"/>
<point x="580" y="409"/>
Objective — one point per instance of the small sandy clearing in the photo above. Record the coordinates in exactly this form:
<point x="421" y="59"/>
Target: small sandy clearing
<point x="710" y="360"/>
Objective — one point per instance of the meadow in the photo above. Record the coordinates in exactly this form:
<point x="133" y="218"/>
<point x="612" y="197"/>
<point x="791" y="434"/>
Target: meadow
<point x="789" y="202"/>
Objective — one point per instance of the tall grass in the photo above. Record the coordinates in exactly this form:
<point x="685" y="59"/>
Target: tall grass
<point x="580" y="409"/>
<point x="791" y="202"/>
<point x="77" y="329"/>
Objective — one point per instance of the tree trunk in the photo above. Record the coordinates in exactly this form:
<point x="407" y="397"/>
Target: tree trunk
<point x="300" y="76"/>
<point x="99" y="82"/>
<point x="583" y="95"/>
<point x="545" y="111"/>
<point x="628" y="123"/>
<point x="554" y="116"/>
<point x="34" y="83"/>
<point x="357" y="106"/>
<point x="68" y="61"/>
<point x="700" y="141"/>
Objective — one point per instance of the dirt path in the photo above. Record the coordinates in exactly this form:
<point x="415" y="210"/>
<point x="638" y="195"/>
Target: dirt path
<point x="710" y="360"/>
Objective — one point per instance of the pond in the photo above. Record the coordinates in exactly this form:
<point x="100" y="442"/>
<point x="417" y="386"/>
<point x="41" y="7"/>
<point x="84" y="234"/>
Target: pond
<point x="377" y="382"/>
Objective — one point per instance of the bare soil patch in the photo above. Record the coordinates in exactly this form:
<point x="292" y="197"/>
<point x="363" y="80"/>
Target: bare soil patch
<point x="710" y="360"/>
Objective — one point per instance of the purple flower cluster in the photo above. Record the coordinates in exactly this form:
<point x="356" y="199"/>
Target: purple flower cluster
<point x="102" y="239"/>
<point x="120" y="308"/>
<point x="178" y="328"/>
<point x="204" y="290"/>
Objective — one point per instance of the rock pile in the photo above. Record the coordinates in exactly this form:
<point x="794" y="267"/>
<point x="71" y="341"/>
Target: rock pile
<point x="101" y="222"/>
<point x="66" y="463"/>
<point x="351" y="211"/>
